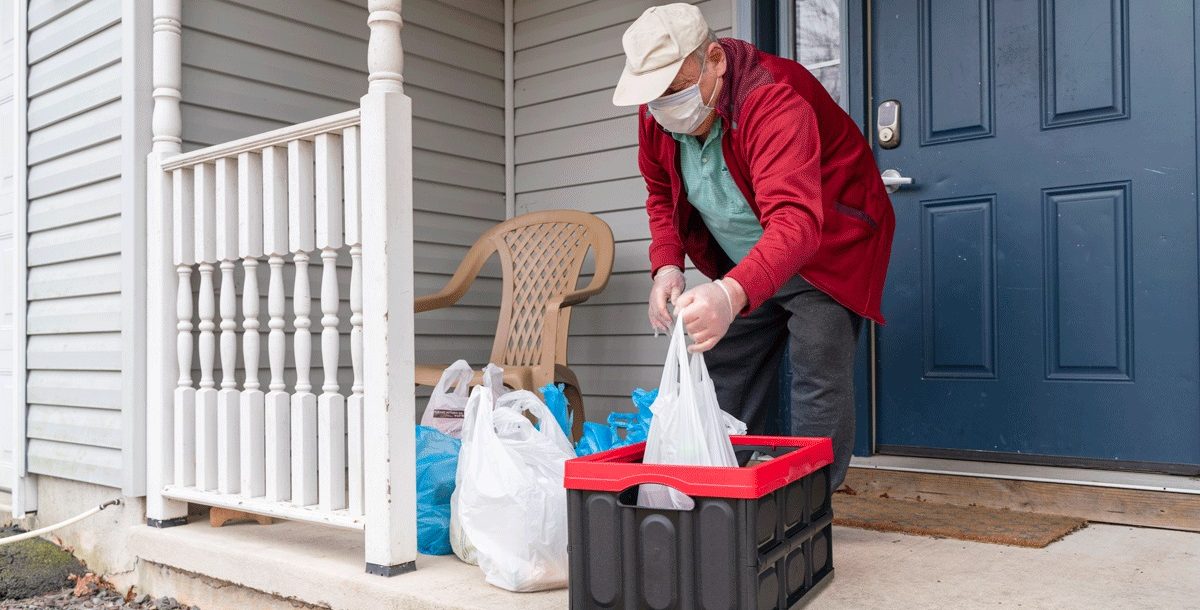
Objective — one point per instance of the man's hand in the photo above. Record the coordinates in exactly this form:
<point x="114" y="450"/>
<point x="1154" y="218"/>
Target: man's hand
<point x="668" y="285"/>
<point x="708" y="310"/>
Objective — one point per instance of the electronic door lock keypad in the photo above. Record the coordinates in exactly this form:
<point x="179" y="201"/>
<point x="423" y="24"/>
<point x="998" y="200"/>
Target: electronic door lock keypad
<point x="887" y="124"/>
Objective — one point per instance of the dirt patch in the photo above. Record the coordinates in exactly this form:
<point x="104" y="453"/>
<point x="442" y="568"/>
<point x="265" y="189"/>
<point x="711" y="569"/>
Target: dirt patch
<point x="33" y="567"/>
<point x="37" y="574"/>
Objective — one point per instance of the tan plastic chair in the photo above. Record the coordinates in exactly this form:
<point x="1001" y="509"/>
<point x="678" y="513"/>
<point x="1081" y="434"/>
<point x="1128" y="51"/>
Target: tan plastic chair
<point x="541" y="255"/>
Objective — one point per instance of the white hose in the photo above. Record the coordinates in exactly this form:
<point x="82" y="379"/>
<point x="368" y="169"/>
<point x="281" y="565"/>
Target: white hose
<point x="51" y="528"/>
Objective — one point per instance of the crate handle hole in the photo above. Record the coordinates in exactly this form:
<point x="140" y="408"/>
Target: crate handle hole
<point x="681" y="502"/>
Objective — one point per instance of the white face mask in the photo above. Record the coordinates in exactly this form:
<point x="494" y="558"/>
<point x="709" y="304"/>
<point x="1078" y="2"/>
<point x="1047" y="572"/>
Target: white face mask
<point x="682" y="111"/>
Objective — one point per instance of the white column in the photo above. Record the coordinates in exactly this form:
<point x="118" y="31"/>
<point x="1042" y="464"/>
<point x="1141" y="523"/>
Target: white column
<point x="250" y="248"/>
<point x="161" y="282"/>
<point x="331" y="406"/>
<point x="304" y="403"/>
<point x="278" y="403"/>
<point x="387" y="236"/>
<point x="228" y="398"/>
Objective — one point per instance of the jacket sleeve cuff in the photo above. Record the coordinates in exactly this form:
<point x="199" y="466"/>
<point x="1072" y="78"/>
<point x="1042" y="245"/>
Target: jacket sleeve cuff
<point x="755" y="282"/>
<point x="667" y="254"/>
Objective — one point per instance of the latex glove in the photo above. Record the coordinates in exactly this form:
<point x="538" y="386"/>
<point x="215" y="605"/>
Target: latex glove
<point x="668" y="285"/>
<point x="707" y="311"/>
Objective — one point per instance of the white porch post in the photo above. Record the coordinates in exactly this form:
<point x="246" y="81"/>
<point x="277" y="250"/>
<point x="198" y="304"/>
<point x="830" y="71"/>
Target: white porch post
<point x="387" y="237"/>
<point x="162" y="368"/>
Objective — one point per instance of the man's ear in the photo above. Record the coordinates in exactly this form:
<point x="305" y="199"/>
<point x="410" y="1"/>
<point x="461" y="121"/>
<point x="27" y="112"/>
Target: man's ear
<point x="716" y="55"/>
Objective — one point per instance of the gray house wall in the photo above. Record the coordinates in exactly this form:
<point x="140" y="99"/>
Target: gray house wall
<point x="74" y="242"/>
<point x="7" y="259"/>
<point x="574" y="149"/>
<point x="249" y="66"/>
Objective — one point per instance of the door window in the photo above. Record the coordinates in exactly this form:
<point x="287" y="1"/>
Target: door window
<point x="818" y="43"/>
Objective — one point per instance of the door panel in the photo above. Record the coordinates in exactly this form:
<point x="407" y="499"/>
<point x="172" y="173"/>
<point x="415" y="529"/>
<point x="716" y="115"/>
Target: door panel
<point x="1042" y="297"/>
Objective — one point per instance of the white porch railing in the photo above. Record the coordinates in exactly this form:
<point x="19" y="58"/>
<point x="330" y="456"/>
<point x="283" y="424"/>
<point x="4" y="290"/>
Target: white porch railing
<point x="287" y="194"/>
<point x="227" y="221"/>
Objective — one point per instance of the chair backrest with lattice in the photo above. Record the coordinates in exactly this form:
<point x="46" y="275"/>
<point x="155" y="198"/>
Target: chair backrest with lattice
<point x="542" y="256"/>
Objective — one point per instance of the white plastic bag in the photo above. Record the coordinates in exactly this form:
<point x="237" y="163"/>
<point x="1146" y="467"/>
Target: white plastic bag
<point x="511" y="503"/>
<point x="448" y="401"/>
<point x="493" y="379"/>
<point x="459" y="543"/>
<point x="688" y="426"/>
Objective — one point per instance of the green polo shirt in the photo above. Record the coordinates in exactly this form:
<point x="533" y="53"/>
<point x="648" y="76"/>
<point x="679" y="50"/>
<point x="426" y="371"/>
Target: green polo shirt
<point x="712" y="191"/>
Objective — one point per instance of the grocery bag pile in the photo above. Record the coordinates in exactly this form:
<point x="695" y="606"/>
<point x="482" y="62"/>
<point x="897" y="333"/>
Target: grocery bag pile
<point x="502" y="505"/>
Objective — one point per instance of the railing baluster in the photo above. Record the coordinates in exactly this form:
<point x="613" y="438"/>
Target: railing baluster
<point x="331" y="406"/>
<point x="185" y="394"/>
<point x="250" y="248"/>
<point x="277" y="402"/>
<point x="206" y="396"/>
<point x="228" y="399"/>
<point x="304" y="402"/>
<point x="352" y="206"/>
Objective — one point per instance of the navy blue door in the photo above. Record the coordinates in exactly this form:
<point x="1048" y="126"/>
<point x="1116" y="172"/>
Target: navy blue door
<point x="1042" y="299"/>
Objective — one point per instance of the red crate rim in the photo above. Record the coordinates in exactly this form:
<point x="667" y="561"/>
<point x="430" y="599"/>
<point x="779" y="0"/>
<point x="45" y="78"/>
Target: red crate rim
<point x="619" y="469"/>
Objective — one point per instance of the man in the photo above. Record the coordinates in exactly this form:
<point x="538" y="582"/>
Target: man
<point x="755" y="173"/>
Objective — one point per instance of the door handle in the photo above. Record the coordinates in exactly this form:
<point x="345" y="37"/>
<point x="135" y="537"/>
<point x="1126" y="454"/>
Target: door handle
<point x="892" y="180"/>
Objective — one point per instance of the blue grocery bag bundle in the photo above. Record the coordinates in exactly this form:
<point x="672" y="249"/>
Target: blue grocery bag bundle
<point x="622" y="429"/>
<point x="556" y="400"/>
<point x="437" y="460"/>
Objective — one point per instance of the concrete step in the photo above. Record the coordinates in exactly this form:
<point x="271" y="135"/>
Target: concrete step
<point x="290" y="565"/>
<point x="1122" y="498"/>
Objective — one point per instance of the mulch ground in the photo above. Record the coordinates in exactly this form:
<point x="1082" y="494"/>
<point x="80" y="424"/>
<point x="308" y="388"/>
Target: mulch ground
<point x="102" y="600"/>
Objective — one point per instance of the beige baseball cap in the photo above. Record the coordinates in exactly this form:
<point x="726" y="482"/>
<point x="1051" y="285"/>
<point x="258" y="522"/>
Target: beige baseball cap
<point x="655" y="47"/>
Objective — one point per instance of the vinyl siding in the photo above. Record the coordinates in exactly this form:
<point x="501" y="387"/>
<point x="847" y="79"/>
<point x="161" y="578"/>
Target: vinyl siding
<point x="255" y="65"/>
<point x="574" y="149"/>
<point x="75" y="240"/>
<point x="7" y="262"/>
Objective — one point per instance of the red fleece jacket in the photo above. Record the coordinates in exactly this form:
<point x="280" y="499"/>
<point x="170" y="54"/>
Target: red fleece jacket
<point x="807" y="173"/>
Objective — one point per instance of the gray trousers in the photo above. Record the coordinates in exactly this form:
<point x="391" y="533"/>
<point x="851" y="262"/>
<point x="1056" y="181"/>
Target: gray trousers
<point x="822" y="336"/>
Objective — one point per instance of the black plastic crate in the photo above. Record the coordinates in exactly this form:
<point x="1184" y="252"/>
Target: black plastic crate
<point x="759" y="537"/>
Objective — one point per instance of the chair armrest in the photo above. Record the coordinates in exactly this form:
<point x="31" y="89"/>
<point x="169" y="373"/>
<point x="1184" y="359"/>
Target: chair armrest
<point x="443" y="298"/>
<point x="597" y="285"/>
<point x="460" y="282"/>
<point x="604" y="251"/>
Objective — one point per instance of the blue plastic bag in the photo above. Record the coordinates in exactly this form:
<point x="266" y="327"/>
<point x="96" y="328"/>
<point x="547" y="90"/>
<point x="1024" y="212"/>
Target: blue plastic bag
<point x="622" y="429"/>
<point x="627" y="429"/>
<point x="642" y="399"/>
<point x="437" y="461"/>
<point x="554" y="398"/>
<point x="596" y="438"/>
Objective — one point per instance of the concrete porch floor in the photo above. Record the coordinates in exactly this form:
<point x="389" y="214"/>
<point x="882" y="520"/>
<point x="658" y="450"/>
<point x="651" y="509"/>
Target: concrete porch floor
<point x="1100" y="566"/>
